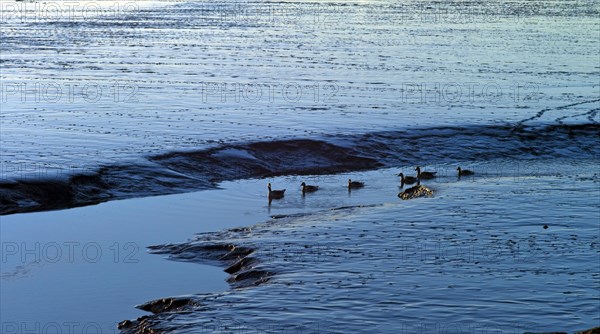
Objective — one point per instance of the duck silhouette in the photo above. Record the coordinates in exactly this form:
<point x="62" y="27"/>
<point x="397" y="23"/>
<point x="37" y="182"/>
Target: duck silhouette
<point x="355" y="184"/>
<point x="275" y="194"/>
<point x="464" y="172"/>
<point x="308" y="188"/>
<point x="407" y="179"/>
<point x="424" y="175"/>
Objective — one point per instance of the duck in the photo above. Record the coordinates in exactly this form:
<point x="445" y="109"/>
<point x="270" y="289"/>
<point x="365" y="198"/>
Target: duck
<point x="416" y="192"/>
<point x="464" y="172"/>
<point x="407" y="179"/>
<point x="308" y="188"/>
<point x="424" y="175"/>
<point x="275" y="194"/>
<point x="355" y="184"/>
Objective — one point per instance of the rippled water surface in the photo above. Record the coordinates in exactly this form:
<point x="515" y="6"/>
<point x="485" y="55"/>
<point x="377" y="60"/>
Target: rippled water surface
<point x="104" y="85"/>
<point x="512" y="250"/>
<point x="127" y="99"/>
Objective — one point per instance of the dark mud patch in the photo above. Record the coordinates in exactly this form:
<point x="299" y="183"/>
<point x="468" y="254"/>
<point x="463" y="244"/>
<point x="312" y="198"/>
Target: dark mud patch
<point x="168" y="305"/>
<point x="178" y="172"/>
<point x="235" y="259"/>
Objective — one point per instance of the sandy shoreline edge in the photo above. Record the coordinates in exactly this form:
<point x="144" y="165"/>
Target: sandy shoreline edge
<point x="241" y="260"/>
<point x="180" y="172"/>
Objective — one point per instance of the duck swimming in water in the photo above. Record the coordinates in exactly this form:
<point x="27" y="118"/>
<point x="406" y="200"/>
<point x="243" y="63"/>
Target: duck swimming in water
<point x="416" y="192"/>
<point x="308" y="188"/>
<point x="407" y="179"/>
<point x="275" y="194"/>
<point x="355" y="184"/>
<point x="464" y="172"/>
<point x="424" y="175"/>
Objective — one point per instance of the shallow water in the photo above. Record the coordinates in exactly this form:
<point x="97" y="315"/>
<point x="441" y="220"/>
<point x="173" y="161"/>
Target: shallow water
<point x="475" y="257"/>
<point x="164" y="97"/>
<point x="81" y="270"/>
<point x="103" y="87"/>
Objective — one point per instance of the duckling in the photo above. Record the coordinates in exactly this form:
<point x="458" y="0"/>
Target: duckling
<point x="407" y="179"/>
<point x="415" y="192"/>
<point x="275" y="194"/>
<point x="424" y="175"/>
<point x="464" y="172"/>
<point x="308" y="188"/>
<point x="355" y="184"/>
